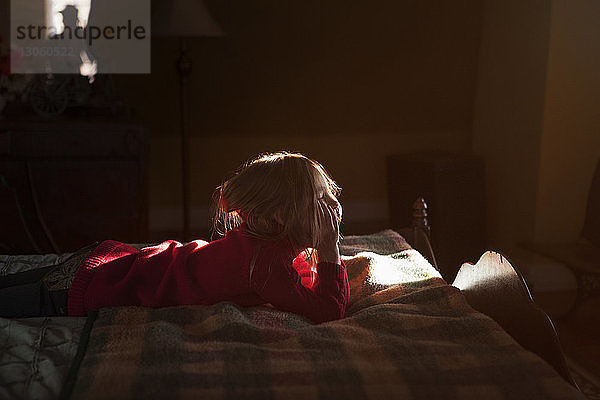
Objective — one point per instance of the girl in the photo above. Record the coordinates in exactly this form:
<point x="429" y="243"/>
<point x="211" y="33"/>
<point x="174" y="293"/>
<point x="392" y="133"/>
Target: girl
<point x="273" y="208"/>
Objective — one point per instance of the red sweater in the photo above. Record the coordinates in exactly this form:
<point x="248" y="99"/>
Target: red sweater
<point x="171" y="273"/>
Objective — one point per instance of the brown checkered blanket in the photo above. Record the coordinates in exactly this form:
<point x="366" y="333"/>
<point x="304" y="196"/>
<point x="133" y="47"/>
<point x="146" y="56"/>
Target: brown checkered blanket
<point x="416" y="338"/>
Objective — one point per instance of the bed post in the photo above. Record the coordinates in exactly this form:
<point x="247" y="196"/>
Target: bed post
<point x="419" y="217"/>
<point x="421" y="231"/>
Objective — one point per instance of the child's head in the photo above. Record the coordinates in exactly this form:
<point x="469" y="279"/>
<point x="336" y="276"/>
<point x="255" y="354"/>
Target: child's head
<point x="276" y="195"/>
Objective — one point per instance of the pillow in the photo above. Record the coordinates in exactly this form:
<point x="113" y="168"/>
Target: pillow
<point x="370" y="273"/>
<point x="384" y="242"/>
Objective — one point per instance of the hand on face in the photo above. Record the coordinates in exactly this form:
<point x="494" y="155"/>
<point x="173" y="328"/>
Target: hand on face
<point x="329" y="222"/>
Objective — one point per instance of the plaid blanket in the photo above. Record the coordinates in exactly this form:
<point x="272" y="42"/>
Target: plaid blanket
<point x="413" y="339"/>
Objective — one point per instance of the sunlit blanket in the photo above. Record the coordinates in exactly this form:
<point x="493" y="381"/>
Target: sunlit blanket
<point x="408" y="335"/>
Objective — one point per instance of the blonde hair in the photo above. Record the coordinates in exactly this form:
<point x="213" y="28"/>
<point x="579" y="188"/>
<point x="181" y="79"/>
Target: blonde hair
<point x="273" y="188"/>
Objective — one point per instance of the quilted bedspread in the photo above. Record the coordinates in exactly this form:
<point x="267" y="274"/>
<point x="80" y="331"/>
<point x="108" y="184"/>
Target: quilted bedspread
<point x="408" y="334"/>
<point x="35" y="355"/>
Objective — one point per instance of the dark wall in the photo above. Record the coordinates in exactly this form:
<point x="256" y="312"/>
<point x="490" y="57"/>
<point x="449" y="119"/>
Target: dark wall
<point x="319" y="67"/>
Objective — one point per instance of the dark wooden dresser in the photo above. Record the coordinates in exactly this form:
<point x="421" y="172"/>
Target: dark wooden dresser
<point x="66" y="184"/>
<point x="453" y="186"/>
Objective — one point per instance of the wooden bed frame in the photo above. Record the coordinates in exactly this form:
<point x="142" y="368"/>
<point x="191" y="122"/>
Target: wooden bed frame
<point x="496" y="288"/>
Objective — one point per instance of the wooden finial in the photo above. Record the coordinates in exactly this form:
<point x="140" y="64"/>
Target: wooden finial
<point x="421" y="231"/>
<point x="419" y="216"/>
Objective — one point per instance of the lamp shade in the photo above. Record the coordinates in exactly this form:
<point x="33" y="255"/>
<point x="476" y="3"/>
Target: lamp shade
<point x="182" y="18"/>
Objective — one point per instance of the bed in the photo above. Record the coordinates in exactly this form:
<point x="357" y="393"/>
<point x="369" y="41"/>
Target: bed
<point x="407" y="334"/>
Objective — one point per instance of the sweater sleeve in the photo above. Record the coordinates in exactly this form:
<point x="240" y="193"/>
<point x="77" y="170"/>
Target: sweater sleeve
<point x="280" y="285"/>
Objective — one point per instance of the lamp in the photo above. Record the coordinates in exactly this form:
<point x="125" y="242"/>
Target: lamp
<point x="183" y="19"/>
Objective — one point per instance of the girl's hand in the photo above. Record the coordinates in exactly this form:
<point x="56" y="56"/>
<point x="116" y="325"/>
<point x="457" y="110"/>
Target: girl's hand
<point x="327" y="242"/>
